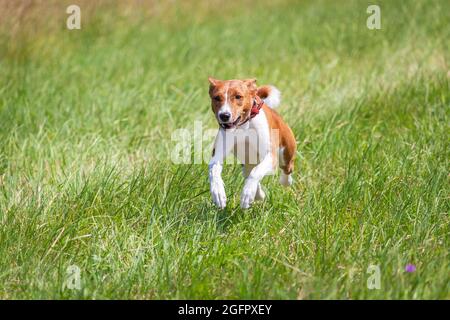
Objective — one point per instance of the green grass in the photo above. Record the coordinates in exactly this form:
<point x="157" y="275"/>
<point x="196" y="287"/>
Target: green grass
<point x="86" y="119"/>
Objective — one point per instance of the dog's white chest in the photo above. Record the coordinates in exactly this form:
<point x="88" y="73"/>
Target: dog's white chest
<point x="252" y="141"/>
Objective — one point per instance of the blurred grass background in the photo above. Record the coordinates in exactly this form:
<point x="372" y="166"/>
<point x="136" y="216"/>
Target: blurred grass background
<point x="85" y="139"/>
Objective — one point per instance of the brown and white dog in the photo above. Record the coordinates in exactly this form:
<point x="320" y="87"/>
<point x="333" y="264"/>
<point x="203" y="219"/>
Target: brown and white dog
<point x="254" y="132"/>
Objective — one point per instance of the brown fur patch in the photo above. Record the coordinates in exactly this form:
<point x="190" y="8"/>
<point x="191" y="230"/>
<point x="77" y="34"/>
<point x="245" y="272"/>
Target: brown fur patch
<point x="263" y="91"/>
<point x="286" y="139"/>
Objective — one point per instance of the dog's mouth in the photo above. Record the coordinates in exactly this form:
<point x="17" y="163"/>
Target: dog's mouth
<point x="230" y="125"/>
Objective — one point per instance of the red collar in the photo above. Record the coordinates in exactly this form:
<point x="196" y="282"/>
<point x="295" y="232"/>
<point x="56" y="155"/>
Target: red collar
<point x="256" y="107"/>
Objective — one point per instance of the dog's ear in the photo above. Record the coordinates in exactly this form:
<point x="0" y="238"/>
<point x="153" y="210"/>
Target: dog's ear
<point x="213" y="82"/>
<point x="251" y="84"/>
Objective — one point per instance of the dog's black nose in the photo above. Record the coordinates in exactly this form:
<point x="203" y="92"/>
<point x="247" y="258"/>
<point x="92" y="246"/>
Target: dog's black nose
<point x="225" y="116"/>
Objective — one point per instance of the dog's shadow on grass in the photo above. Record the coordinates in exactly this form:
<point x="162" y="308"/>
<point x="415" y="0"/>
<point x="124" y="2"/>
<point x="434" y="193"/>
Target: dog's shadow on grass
<point x="226" y="218"/>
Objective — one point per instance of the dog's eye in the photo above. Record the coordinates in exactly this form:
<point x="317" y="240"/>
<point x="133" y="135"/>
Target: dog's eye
<point x="217" y="98"/>
<point x="238" y="96"/>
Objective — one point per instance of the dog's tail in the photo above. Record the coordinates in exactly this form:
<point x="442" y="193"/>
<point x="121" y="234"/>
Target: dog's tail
<point x="270" y="95"/>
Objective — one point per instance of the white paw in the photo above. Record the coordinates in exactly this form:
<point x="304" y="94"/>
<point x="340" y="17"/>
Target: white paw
<point x="285" y="179"/>
<point x="218" y="193"/>
<point x="248" y="194"/>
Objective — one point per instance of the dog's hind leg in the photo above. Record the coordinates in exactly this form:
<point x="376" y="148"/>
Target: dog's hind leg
<point x="246" y="168"/>
<point x="286" y="161"/>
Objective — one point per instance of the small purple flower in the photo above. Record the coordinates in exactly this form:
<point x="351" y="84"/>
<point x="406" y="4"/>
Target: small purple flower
<point x="410" y="268"/>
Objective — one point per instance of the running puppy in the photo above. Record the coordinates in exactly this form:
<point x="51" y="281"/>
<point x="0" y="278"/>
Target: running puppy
<point x="254" y="132"/>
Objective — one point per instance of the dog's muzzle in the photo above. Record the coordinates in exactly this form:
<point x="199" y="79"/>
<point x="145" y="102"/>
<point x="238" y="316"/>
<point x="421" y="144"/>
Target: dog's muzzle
<point x="230" y="125"/>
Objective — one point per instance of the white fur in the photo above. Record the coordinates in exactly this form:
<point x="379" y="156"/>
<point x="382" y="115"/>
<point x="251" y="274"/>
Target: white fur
<point x="222" y="147"/>
<point x="260" y="194"/>
<point x="274" y="98"/>
<point x="226" y="106"/>
<point x="226" y="140"/>
<point x="285" y="179"/>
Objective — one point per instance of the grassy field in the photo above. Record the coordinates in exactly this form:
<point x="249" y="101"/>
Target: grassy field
<point x="86" y="177"/>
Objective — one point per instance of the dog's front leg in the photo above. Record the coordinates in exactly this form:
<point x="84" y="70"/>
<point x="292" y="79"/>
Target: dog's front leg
<point x="251" y="183"/>
<point x="222" y="147"/>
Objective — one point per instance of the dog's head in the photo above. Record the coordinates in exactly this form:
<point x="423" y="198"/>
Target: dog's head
<point x="232" y="100"/>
